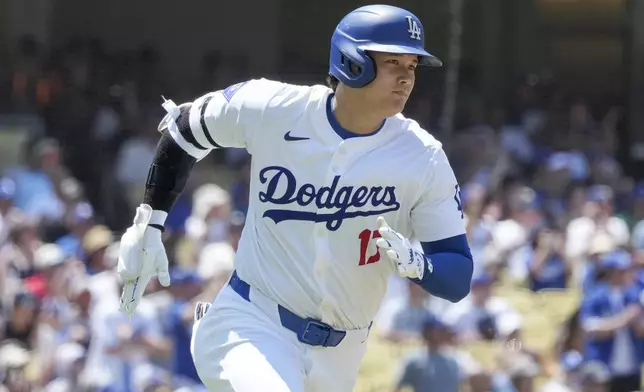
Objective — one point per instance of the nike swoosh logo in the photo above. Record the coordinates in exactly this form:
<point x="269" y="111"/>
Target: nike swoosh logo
<point x="289" y="138"/>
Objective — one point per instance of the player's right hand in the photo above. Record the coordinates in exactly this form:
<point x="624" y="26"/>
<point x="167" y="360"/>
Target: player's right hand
<point x="141" y="257"/>
<point x="411" y="263"/>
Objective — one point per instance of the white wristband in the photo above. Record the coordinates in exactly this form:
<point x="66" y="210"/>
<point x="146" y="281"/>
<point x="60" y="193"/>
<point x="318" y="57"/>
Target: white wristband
<point x="158" y="217"/>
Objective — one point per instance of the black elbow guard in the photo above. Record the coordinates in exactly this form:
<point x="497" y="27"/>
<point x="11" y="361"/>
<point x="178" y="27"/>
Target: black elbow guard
<point x="168" y="174"/>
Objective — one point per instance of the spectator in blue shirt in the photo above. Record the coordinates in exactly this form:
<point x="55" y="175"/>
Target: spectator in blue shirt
<point x="186" y="285"/>
<point x="608" y="317"/>
<point x="79" y="221"/>
<point x="35" y="192"/>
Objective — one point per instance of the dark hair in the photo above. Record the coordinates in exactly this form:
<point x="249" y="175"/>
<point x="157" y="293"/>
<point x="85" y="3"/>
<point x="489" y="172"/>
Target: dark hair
<point x="332" y="82"/>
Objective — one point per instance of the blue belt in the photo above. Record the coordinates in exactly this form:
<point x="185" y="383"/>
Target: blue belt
<point x="309" y="331"/>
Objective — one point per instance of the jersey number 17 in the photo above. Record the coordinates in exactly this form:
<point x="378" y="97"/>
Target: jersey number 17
<point x="365" y="236"/>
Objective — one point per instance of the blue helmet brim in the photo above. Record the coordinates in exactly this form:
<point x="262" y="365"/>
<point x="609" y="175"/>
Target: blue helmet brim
<point x="425" y="58"/>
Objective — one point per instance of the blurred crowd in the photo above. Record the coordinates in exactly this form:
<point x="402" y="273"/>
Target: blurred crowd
<point x="63" y="207"/>
<point x="547" y="206"/>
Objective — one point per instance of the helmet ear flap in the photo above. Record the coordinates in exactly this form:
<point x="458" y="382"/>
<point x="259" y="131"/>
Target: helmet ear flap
<point x="354" y="68"/>
<point x="365" y="70"/>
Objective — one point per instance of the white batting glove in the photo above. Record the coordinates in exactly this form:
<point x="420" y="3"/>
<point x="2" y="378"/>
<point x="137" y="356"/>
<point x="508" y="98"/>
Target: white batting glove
<point x="411" y="263"/>
<point x="141" y="257"/>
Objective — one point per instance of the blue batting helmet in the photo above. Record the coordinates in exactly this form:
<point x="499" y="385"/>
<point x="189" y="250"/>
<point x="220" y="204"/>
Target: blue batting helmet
<point x="377" y="28"/>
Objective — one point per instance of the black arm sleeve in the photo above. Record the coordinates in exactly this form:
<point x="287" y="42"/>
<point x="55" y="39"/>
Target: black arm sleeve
<point x="168" y="174"/>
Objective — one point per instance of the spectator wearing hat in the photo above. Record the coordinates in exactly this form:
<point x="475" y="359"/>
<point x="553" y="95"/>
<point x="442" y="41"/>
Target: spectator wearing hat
<point x="105" y="285"/>
<point x="95" y="243"/>
<point x="435" y="367"/>
<point x="608" y="317"/>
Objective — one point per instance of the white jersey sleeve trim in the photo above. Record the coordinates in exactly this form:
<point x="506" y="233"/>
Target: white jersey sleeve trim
<point x="200" y="130"/>
<point x="169" y="122"/>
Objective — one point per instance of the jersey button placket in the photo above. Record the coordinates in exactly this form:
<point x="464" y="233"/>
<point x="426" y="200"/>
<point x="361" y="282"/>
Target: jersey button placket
<point x="321" y="234"/>
<point x="320" y="239"/>
<point x="322" y="263"/>
<point x="338" y="161"/>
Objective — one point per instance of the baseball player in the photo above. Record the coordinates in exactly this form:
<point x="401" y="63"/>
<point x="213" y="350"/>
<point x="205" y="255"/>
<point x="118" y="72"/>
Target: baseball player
<point x="341" y="181"/>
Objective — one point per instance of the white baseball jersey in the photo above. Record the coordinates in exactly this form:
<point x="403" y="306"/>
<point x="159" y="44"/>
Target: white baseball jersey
<point x="308" y="242"/>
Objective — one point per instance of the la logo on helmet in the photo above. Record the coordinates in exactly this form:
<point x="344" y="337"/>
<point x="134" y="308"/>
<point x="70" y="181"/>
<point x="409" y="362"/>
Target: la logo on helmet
<point x="414" y="30"/>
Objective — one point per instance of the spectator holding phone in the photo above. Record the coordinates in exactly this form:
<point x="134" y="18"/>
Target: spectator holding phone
<point x="547" y="264"/>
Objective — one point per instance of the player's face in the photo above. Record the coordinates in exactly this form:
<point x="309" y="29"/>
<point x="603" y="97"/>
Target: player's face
<point x="394" y="81"/>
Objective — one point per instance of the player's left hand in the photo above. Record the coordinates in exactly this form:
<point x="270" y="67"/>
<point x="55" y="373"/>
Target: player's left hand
<point x="410" y="262"/>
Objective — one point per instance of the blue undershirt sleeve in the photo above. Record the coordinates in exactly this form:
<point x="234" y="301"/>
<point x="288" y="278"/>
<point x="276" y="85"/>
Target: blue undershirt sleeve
<point x="453" y="266"/>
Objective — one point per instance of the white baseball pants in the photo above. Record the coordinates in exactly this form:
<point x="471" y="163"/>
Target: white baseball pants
<point x="241" y="346"/>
